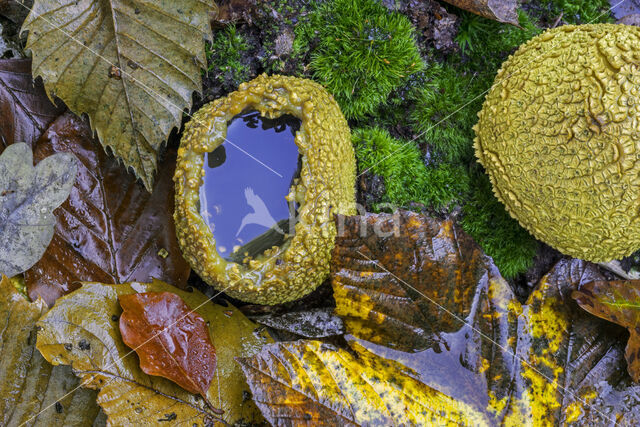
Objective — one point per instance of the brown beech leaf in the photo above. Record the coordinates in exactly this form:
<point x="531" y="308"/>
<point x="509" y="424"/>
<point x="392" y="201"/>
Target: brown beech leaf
<point x="110" y="229"/>
<point x="25" y="110"/>
<point x="32" y="391"/>
<point x="418" y="291"/>
<point x="617" y="301"/>
<point x="498" y="10"/>
<point x="375" y="258"/>
<point x="171" y="340"/>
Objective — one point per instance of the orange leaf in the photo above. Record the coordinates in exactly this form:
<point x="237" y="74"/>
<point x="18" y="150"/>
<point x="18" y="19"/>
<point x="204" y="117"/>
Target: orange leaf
<point x="171" y="340"/>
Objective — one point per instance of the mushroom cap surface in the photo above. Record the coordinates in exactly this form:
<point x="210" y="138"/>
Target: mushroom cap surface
<point x="559" y="137"/>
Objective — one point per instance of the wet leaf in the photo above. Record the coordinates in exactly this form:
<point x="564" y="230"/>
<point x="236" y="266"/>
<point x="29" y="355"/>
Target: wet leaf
<point x="28" y="196"/>
<point x="632" y="19"/>
<point x="111" y="229"/>
<point x="429" y="299"/>
<point x="617" y="301"/>
<point x="34" y="393"/>
<point x="378" y="256"/>
<point x="314" y="323"/>
<point x="132" y="66"/>
<point x="82" y="330"/>
<point x="171" y="340"/>
<point x="24" y="107"/>
<point x="308" y="382"/>
<point x="623" y="8"/>
<point x="499" y="10"/>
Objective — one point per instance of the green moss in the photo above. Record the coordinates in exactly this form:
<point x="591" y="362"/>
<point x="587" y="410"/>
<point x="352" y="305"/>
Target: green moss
<point x="225" y="58"/>
<point x="19" y="284"/>
<point x="581" y="11"/>
<point x="406" y="177"/>
<point x="491" y="42"/>
<point x="361" y="52"/>
<point x="446" y="106"/>
<point x="443" y="115"/>
<point x="445" y="111"/>
<point x="500" y="236"/>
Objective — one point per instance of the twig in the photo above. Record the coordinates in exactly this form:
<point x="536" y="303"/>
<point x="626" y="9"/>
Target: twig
<point x="558" y="19"/>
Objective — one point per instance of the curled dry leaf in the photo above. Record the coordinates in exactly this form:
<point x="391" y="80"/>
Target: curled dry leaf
<point x="28" y="196"/>
<point x="82" y="331"/>
<point x="132" y="66"/>
<point x="171" y="340"/>
<point x="111" y="229"/>
<point x="24" y="107"/>
<point x="428" y="298"/>
<point x="499" y="10"/>
<point x="617" y="301"/>
<point x="32" y="392"/>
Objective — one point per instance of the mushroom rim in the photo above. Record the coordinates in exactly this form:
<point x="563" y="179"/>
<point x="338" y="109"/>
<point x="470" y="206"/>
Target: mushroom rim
<point x="272" y="97"/>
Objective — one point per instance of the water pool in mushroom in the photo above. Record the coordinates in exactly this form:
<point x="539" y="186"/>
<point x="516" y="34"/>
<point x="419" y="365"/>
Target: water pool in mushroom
<point x="246" y="181"/>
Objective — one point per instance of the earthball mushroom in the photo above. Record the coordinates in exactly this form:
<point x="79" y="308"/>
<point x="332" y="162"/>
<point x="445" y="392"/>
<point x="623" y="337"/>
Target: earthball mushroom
<point x="559" y="137"/>
<point x="324" y="187"/>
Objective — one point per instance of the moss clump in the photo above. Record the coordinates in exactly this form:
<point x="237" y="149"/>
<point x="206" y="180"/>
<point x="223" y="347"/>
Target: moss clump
<point x="361" y="52"/>
<point x="500" y="236"/>
<point x="406" y="177"/>
<point x="226" y="58"/>
<point x="325" y="187"/>
<point x="446" y="106"/>
<point x="487" y="43"/>
<point x="443" y="114"/>
<point x="559" y="139"/>
<point x="445" y="111"/>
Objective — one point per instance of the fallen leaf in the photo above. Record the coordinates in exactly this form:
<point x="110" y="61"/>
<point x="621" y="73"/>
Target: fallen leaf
<point x="312" y="383"/>
<point x="617" y="301"/>
<point x="632" y="19"/>
<point x="110" y="230"/>
<point x="622" y="8"/>
<point x="499" y="10"/>
<point x="32" y="391"/>
<point x="443" y="265"/>
<point x="314" y="323"/>
<point x="24" y="107"/>
<point x="28" y="196"/>
<point x="82" y="330"/>
<point x="171" y="340"/>
<point x="131" y="66"/>
<point x="428" y="298"/>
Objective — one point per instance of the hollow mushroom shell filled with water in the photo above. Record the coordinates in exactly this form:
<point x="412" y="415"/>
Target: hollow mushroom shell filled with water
<point x="325" y="187"/>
